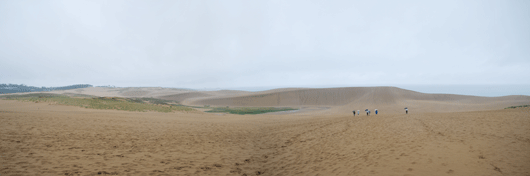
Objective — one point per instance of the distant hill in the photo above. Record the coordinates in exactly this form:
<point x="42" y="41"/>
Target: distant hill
<point x="16" y="88"/>
<point x="346" y="99"/>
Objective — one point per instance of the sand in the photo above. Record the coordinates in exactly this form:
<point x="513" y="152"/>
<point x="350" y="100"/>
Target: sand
<point x="344" y="100"/>
<point x="124" y="92"/>
<point x="48" y="139"/>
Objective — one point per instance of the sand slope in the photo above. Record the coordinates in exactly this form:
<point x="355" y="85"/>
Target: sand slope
<point x="436" y="138"/>
<point x="124" y="92"/>
<point x="44" y="139"/>
<point x="183" y="96"/>
<point x="385" y="99"/>
<point x="319" y="101"/>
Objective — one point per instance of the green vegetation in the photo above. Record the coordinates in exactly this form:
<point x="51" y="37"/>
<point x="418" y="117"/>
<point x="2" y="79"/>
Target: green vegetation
<point x="150" y="100"/>
<point x="15" y="88"/>
<point x="248" y="110"/>
<point x="513" y="107"/>
<point x="126" y="104"/>
<point x="33" y="95"/>
<point x="133" y="104"/>
<point x="79" y="95"/>
<point x="190" y="106"/>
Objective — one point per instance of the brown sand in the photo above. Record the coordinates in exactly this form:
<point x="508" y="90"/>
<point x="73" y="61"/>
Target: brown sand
<point x="47" y="139"/>
<point x="385" y="99"/>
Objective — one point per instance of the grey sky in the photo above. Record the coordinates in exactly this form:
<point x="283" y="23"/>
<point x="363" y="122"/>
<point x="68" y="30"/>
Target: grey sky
<point x="227" y="44"/>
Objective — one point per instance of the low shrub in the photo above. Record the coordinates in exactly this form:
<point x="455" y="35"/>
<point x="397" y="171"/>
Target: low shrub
<point x="248" y="110"/>
<point x="117" y="103"/>
<point x="513" y="107"/>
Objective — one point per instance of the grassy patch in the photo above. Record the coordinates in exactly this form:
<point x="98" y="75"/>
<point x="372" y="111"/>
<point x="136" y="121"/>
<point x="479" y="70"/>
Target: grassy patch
<point x="33" y="95"/>
<point x="149" y="100"/>
<point x="191" y="106"/>
<point x="79" y="95"/>
<point x="248" y="110"/>
<point x="125" y="104"/>
<point x="513" y="107"/>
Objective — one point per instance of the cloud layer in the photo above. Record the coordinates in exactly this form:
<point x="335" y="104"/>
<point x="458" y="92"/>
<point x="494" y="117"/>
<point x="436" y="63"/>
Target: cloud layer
<point x="229" y="44"/>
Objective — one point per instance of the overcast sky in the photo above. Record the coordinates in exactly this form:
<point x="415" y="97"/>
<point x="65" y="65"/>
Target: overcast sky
<point x="228" y="44"/>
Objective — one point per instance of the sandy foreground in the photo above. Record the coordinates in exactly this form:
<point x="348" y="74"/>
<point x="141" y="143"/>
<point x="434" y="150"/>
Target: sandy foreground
<point x="44" y="139"/>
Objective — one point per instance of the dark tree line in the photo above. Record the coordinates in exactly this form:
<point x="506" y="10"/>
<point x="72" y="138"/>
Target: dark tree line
<point x="15" y="88"/>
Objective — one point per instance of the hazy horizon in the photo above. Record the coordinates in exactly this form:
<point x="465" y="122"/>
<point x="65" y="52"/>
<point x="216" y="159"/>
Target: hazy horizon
<point x="474" y="90"/>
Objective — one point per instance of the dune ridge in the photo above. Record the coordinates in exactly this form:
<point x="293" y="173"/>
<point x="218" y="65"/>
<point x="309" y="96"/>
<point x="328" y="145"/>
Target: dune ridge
<point x="390" y="99"/>
<point x="48" y="139"/>
<point x="341" y="100"/>
<point x="324" y="138"/>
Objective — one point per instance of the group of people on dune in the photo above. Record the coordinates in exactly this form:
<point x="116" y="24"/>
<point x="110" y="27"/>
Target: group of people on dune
<point x="368" y="112"/>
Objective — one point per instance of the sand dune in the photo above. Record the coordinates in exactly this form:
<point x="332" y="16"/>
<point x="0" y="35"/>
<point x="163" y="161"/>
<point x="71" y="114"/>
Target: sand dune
<point x="44" y="139"/>
<point x="326" y="101"/>
<point x="183" y="96"/>
<point x="124" y="92"/>
<point x="385" y="99"/>
<point x="436" y="138"/>
<point x="196" y="95"/>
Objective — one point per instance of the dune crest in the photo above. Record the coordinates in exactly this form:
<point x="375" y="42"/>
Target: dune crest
<point x="388" y="99"/>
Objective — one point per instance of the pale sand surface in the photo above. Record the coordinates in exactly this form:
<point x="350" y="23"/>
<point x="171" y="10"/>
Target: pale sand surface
<point x="338" y="101"/>
<point x="342" y="101"/>
<point x="124" y="92"/>
<point x="47" y="139"/>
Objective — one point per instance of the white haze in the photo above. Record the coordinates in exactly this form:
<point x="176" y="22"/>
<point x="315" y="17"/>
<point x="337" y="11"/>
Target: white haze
<point x="230" y="44"/>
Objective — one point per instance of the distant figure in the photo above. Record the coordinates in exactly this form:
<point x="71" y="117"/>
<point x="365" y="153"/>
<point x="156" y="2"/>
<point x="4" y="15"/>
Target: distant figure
<point x="359" y="112"/>
<point x="406" y="110"/>
<point x="375" y="111"/>
<point x="354" y="113"/>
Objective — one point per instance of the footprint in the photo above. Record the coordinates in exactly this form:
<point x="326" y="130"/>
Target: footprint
<point x="237" y="170"/>
<point x="497" y="169"/>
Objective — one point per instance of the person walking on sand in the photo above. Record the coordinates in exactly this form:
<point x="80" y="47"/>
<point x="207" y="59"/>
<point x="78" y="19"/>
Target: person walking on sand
<point x="406" y="110"/>
<point x="375" y="111"/>
<point x="353" y="113"/>
<point x="359" y="112"/>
